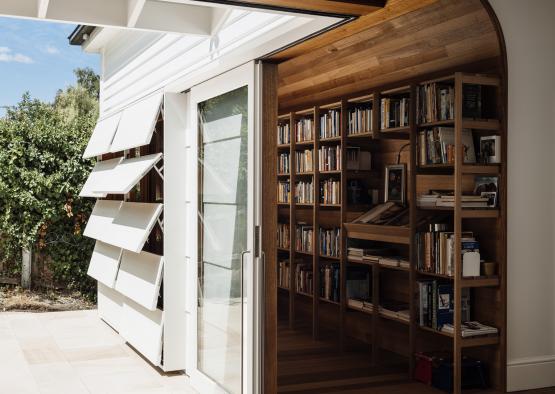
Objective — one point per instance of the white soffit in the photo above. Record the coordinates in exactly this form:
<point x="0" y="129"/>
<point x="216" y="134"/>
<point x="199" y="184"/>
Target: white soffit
<point x="123" y="224"/>
<point x="143" y="330"/>
<point x="104" y="263"/>
<point x="110" y="306"/>
<point x="137" y="124"/>
<point x="139" y="277"/>
<point x="99" y="172"/>
<point x="100" y="221"/>
<point x="122" y="178"/>
<point x="102" y="136"/>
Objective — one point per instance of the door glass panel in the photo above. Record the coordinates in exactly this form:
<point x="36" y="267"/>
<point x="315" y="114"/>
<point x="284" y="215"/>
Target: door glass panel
<point x="223" y="177"/>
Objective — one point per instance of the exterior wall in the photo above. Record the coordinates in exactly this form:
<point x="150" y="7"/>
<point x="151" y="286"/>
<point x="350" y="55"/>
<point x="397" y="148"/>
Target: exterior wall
<point x="530" y="38"/>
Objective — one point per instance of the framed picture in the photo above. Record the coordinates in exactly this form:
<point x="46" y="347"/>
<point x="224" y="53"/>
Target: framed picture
<point x="486" y="186"/>
<point x="395" y="183"/>
<point x="490" y="149"/>
<point x="492" y="198"/>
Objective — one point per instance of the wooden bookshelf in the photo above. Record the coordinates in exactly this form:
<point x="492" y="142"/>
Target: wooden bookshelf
<point x="396" y="283"/>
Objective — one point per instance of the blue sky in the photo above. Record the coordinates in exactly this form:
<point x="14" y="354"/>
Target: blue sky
<point x="35" y="56"/>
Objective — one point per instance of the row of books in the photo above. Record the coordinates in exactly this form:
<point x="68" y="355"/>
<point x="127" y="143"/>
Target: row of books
<point x="284" y="273"/>
<point x="304" y="192"/>
<point x="360" y="119"/>
<point x="330" y="124"/>
<point x="303" y="238"/>
<point x="436" y="249"/>
<point x="442" y="200"/>
<point x="304" y="130"/>
<point x="435" y="102"/>
<point x="437" y="146"/>
<point x="436" y="304"/>
<point x="304" y="281"/>
<point x="284" y="192"/>
<point x="329" y="281"/>
<point x="283" y="235"/>
<point x="330" y="191"/>
<point x="330" y="158"/>
<point x="283" y="163"/>
<point x="330" y="242"/>
<point x="304" y="160"/>
<point x="394" y="112"/>
<point x="283" y="133"/>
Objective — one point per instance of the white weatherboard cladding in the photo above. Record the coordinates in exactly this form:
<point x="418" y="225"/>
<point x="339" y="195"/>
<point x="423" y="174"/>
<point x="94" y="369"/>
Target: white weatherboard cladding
<point x="139" y="277"/>
<point x="123" y="177"/>
<point x="101" y="219"/>
<point x="137" y="124"/>
<point x="104" y="263"/>
<point x="143" y="330"/>
<point x="102" y="136"/>
<point x="97" y="175"/>
<point x="123" y="224"/>
<point x="110" y="306"/>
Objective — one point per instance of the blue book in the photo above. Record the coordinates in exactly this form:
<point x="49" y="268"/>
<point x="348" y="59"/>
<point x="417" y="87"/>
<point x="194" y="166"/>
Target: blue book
<point x="445" y="304"/>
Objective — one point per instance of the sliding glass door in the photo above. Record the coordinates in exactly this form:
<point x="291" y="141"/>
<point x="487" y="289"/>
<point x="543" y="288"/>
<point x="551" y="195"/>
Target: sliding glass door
<point x="223" y="312"/>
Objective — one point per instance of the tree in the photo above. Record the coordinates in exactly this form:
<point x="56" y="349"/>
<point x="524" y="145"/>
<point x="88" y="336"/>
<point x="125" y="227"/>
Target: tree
<point x="41" y="147"/>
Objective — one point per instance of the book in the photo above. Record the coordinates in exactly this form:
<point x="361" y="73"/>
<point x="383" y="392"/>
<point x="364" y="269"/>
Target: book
<point x="472" y="101"/>
<point x="360" y="119"/>
<point x="329" y="242"/>
<point x="330" y="124"/>
<point x="437" y="146"/>
<point x="471" y="329"/>
<point x="436" y="304"/>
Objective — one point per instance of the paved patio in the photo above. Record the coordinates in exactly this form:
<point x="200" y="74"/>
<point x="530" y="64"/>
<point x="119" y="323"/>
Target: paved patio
<point x="74" y="353"/>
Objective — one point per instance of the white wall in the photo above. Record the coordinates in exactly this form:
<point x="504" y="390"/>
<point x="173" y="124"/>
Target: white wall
<point x="529" y="31"/>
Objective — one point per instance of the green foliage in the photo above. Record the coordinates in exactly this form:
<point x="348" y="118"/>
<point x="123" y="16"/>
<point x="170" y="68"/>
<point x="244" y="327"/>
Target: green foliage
<point x="42" y="173"/>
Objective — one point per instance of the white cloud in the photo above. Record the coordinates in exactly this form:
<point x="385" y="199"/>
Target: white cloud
<point x="51" y="50"/>
<point x="6" y="55"/>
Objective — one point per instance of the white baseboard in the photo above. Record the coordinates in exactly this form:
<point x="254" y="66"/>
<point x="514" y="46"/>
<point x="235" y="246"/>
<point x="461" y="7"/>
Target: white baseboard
<point x="531" y="373"/>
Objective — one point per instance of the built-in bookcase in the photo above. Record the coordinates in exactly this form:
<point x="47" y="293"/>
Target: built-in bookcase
<point x="351" y="141"/>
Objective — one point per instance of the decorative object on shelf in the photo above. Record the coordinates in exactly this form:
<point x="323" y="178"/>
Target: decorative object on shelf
<point x="490" y="149"/>
<point x="486" y="186"/>
<point x="488" y="268"/>
<point x="395" y="180"/>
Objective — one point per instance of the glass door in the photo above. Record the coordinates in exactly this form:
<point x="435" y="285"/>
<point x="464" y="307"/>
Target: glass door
<point x="223" y="315"/>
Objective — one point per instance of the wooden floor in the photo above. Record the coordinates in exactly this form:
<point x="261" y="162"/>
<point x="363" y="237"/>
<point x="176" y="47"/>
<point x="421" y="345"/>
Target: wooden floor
<point x="306" y="366"/>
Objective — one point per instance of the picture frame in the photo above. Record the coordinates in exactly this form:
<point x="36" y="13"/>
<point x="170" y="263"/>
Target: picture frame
<point x="492" y="198"/>
<point x="490" y="149"/>
<point x="395" y="181"/>
<point x="487" y="186"/>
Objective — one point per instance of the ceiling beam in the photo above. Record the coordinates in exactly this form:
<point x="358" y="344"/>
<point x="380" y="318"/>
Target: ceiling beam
<point x="134" y="9"/>
<point x="176" y="18"/>
<point x="42" y="8"/>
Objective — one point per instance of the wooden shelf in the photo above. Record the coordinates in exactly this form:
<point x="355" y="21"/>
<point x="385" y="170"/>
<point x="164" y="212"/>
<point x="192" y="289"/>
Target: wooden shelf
<point x="283" y="288"/>
<point x="404" y="129"/>
<point x="332" y="172"/>
<point x="362" y="310"/>
<point x="338" y="206"/>
<point x="437" y="123"/>
<point x="304" y="143"/>
<point x="305" y="253"/>
<point x="309" y="173"/>
<point x="468" y="213"/>
<point x="395" y="319"/>
<point x="486" y="124"/>
<point x="331" y="139"/>
<point x="481" y="281"/>
<point x="323" y="256"/>
<point x="372" y="232"/>
<point x="298" y="204"/>
<point x="283" y="174"/>
<point x="482" y="340"/>
<point x="361" y="135"/>
<point x="329" y="301"/>
<point x="283" y="249"/>
<point x="486" y="169"/>
<point x="304" y="294"/>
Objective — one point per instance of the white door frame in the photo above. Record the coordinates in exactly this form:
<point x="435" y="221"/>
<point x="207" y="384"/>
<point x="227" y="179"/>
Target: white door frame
<point x="241" y="76"/>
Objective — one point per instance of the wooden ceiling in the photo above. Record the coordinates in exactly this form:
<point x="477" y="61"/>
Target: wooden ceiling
<point x="404" y="39"/>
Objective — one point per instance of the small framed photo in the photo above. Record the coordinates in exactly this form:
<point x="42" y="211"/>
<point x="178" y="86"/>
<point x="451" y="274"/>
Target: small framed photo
<point x="492" y="198"/>
<point x="490" y="149"/>
<point x="395" y="183"/>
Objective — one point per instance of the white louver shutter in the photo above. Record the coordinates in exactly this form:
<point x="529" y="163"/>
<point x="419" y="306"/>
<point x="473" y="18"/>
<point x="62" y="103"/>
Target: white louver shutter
<point x="123" y="177"/>
<point x="102" y="136"/>
<point x="104" y="263"/>
<point x="101" y="170"/>
<point x="139" y="277"/>
<point x="110" y="306"/>
<point x="137" y="124"/>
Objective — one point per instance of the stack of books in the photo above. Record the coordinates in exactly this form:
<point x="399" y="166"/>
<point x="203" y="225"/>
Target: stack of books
<point x="369" y="255"/>
<point x="304" y="192"/>
<point x="330" y="191"/>
<point x="393" y="261"/>
<point x="471" y="329"/>
<point x="329" y="158"/>
<point x="329" y="282"/>
<point x="304" y="130"/>
<point x="395" y="310"/>
<point x="394" y="112"/>
<point x="304" y="160"/>
<point x="303" y="238"/>
<point x="283" y="134"/>
<point x="330" y="124"/>
<point x="433" y="200"/>
<point x="361" y="304"/>
<point x="360" y="119"/>
<point x="435" y="102"/>
<point x="329" y="242"/>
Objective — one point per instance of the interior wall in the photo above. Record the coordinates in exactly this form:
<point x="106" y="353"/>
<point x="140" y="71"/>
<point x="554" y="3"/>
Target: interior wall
<point x="530" y="41"/>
